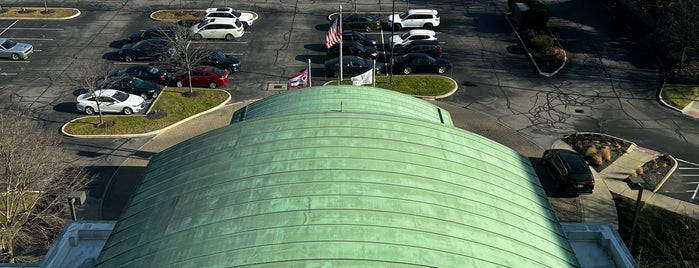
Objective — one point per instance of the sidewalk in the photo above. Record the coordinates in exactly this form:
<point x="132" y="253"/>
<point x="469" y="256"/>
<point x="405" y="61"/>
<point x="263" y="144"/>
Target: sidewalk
<point x="692" y="109"/>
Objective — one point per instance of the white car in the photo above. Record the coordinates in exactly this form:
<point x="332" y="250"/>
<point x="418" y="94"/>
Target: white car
<point x="415" y="18"/>
<point x="14" y="51"/>
<point x="407" y="37"/>
<point x="110" y="101"/>
<point x="217" y="28"/>
<point x="227" y="12"/>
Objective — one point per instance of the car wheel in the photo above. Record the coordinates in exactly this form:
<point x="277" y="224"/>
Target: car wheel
<point x="15" y="56"/>
<point x="407" y="70"/>
<point x="128" y="58"/>
<point x="198" y="37"/>
<point x="179" y="84"/>
<point x="396" y="27"/>
<point x="89" y="110"/>
<point x="336" y="74"/>
<point x="212" y="85"/>
<point x="428" y="26"/>
<point x="442" y="69"/>
<point x="128" y="111"/>
<point x="369" y="29"/>
<point x="145" y="96"/>
<point x="230" y="37"/>
<point x="159" y="58"/>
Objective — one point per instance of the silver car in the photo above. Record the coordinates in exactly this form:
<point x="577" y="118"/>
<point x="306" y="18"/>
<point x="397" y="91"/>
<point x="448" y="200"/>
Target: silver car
<point x="14" y="51"/>
<point x="110" y="101"/>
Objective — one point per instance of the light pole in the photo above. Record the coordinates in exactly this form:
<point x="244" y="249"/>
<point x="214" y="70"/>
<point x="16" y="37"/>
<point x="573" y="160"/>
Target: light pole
<point x="73" y="197"/>
<point x="633" y="185"/>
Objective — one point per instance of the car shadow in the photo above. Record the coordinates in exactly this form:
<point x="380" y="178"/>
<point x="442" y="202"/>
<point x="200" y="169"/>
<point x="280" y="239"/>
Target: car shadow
<point x="118" y="43"/>
<point x="113" y="56"/>
<point x="66" y="107"/>
<point x="319" y="59"/>
<point x="316" y="47"/>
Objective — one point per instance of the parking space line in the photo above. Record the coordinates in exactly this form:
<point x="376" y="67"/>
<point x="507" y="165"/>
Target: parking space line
<point x="8" y="27"/>
<point x="692" y="182"/>
<point x="688" y="168"/>
<point x="7" y="74"/>
<point x="689" y="175"/>
<point x="220" y="42"/>
<point x="14" y="61"/>
<point x="33" y="39"/>
<point x="39" y="29"/>
<point x="695" y="192"/>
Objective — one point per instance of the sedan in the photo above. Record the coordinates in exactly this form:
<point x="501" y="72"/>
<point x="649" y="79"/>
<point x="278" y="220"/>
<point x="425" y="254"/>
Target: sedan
<point x="420" y="63"/>
<point x="14" y="51"/>
<point x="361" y="22"/>
<point x="202" y="76"/>
<point x="352" y="65"/>
<point x="145" y="72"/>
<point x="168" y="32"/>
<point x="219" y="60"/>
<point x="429" y="47"/>
<point x="158" y="49"/>
<point x="358" y="37"/>
<point x="352" y="48"/>
<point x="134" y="85"/>
<point x="570" y="172"/>
<point x="110" y="101"/>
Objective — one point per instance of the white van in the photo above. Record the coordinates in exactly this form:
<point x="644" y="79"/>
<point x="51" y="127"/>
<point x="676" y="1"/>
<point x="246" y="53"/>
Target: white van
<point x="217" y="28"/>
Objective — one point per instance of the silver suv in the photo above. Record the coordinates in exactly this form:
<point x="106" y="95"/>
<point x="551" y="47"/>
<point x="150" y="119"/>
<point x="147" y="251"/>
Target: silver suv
<point x="415" y="18"/>
<point x="226" y="12"/>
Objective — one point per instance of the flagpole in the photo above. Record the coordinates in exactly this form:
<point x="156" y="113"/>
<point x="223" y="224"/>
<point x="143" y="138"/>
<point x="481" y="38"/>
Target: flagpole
<point x="373" y="75"/>
<point x="340" y="32"/>
<point x="310" y="81"/>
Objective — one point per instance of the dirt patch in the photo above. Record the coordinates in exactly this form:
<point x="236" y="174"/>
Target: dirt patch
<point x="54" y="13"/>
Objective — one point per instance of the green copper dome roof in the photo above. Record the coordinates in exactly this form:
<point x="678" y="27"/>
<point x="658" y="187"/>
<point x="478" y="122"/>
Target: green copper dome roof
<point x="357" y="188"/>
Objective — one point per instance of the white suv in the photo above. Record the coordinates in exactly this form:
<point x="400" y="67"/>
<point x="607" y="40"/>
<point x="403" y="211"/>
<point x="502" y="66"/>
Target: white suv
<point x="409" y="36"/>
<point x="227" y="12"/>
<point x="219" y="28"/>
<point x="415" y="18"/>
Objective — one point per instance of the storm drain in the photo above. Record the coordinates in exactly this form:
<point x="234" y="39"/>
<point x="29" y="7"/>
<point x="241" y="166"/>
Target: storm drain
<point x="276" y="87"/>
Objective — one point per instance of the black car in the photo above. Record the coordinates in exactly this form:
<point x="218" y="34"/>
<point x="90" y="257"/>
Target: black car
<point x="133" y="85"/>
<point x="353" y="65"/>
<point x="145" y="72"/>
<point x="420" y="63"/>
<point x="352" y="48"/>
<point x="570" y="172"/>
<point x="158" y="49"/>
<point x="361" y="22"/>
<point x="429" y="47"/>
<point x="167" y="32"/>
<point x="219" y="60"/>
<point x="358" y="37"/>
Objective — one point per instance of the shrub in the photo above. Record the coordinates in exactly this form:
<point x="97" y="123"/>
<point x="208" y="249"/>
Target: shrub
<point x="606" y="154"/>
<point x="541" y="43"/>
<point x="535" y="18"/>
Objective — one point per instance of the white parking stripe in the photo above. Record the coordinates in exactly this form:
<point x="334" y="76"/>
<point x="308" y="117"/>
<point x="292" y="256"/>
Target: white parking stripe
<point x="688" y="168"/>
<point x="689" y="175"/>
<point x="33" y="39"/>
<point x="39" y="29"/>
<point x="14" y="61"/>
<point x="695" y="192"/>
<point x="8" y="27"/>
<point x="220" y="42"/>
<point x="692" y="182"/>
<point x="6" y="74"/>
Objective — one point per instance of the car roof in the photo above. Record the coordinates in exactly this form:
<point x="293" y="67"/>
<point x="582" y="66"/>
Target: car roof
<point x="222" y="21"/>
<point x="422" y="11"/>
<point x="422" y="32"/>
<point x="574" y="161"/>
<point x="219" y="9"/>
<point x="422" y="42"/>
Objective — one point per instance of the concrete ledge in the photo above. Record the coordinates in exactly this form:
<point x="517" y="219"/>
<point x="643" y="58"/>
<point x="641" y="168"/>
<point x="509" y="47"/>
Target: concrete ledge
<point x="531" y="58"/>
<point x="153" y="15"/>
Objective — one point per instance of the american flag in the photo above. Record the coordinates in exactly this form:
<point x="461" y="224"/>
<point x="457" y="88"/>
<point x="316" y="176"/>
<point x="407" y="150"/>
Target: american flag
<point x="333" y="36"/>
<point x="299" y="80"/>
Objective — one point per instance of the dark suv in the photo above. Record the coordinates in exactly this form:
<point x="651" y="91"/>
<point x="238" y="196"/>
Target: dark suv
<point x="352" y="48"/>
<point x="429" y="47"/>
<point x="358" y="37"/>
<point x="570" y="172"/>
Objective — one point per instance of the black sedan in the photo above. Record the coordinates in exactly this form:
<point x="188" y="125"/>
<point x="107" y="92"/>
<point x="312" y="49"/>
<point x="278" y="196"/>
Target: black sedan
<point x="429" y="47"/>
<point x="358" y="37"/>
<point x="133" y="85"/>
<point x="219" y="60"/>
<point x="361" y="22"/>
<point x="353" y="65"/>
<point x="145" y="72"/>
<point x="420" y="63"/>
<point x="158" y="49"/>
<point x="166" y="32"/>
<point x="352" y="48"/>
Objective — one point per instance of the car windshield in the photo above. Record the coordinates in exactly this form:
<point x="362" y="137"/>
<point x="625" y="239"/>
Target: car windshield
<point x="152" y="70"/>
<point x="402" y="16"/>
<point x="217" y="70"/>
<point x="120" y="96"/>
<point x="235" y="13"/>
<point x="8" y="44"/>
<point x="238" y="24"/>
<point x="405" y="36"/>
<point x="136" y="81"/>
<point x="219" y="56"/>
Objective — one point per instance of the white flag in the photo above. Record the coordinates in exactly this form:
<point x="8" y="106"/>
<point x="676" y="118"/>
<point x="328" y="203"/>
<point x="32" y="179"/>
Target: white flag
<point x="363" y="79"/>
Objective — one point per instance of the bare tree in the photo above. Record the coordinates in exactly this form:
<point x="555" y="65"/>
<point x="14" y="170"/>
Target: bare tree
<point x="92" y="78"/>
<point x="679" y="23"/>
<point x="37" y="176"/>
<point x="187" y="55"/>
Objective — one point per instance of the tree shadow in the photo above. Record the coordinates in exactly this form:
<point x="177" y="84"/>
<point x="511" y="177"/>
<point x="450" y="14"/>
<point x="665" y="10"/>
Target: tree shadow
<point x="118" y="43"/>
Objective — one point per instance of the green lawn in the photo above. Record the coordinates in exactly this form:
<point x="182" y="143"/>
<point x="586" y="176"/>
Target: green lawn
<point x="420" y="85"/>
<point x="171" y="101"/>
<point x="679" y="95"/>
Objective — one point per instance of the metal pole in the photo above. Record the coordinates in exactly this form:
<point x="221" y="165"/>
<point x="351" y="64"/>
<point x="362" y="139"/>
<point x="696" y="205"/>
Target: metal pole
<point x="373" y="75"/>
<point x="310" y="81"/>
<point x="71" y="204"/>
<point x="340" y="32"/>
<point x="635" y="215"/>
<point x="393" y="27"/>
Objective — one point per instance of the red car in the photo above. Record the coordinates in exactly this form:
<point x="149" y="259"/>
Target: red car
<point x="202" y="76"/>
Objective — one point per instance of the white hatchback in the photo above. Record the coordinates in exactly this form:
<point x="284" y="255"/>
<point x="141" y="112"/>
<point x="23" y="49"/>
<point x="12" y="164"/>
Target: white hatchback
<point x="409" y="36"/>
<point x="217" y="28"/>
<point x="227" y="12"/>
<point x="110" y="101"/>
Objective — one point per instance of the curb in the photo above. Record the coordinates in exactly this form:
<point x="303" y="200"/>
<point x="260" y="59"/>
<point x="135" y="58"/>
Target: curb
<point x="531" y="58"/>
<point x="40" y="18"/>
<point x="151" y="133"/>
<point x="255" y="16"/>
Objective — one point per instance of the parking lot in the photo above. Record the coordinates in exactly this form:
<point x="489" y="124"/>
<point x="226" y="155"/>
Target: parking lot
<point x="684" y="182"/>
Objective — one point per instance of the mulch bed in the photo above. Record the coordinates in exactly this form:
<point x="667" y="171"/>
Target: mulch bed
<point x="582" y="143"/>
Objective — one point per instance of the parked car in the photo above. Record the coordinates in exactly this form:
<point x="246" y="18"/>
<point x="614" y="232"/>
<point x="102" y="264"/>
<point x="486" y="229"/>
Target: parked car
<point x="420" y="63"/>
<point x="429" y="47"/>
<point x="166" y="32"/>
<point x="570" y="172"/>
<point x="133" y="85"/>
<point x="226" y="12"/>
<point x="353" y="65"/>
<point x="158" y="49"/>
<point x="219" y="60"/>
<point x="358" y="37"/>
<point x="14" y="51"/>
<point x="407" y="37"/>
<point x="145" y="72"/>
<point x="352" y="48"/>
<point x="202" y="76"/>
<point x="110" y="101"/>
<point x="415" y="18"/>
<point x="361" y="22"/>
<point x="217" y="28"/>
